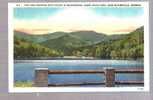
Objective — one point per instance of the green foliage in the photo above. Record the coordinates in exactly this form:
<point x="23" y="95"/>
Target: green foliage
<point x="81" y="44"/>
<point x="37" y="38"/>
<point x="64" y="44"/>
<point x="90" y="37"/>
<point x="23" y="84"/>
<point x="131" y="46"/>
<point x="23" y="49"/>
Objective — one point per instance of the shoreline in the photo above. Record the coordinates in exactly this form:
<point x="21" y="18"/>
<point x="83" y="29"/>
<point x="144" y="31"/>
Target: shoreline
<point x="77" y="58"/>
<point x="71" y="60"/>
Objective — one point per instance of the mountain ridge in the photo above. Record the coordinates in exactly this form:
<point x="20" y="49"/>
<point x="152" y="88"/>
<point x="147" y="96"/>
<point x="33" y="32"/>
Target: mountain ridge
<point x="128" y="46"/>
<point x="91" y="37"/>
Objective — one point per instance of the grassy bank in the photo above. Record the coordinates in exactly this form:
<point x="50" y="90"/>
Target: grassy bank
<point x="23" y="84"/>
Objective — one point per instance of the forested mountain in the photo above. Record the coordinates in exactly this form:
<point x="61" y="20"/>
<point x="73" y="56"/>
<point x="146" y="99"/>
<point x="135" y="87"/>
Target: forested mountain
<point x="64" y="43"/>
<point x="37" y="38"/>
<point x="80" y="43"/>
<point x="24" y="49"/>
<point x="131" y="46"/>
<point x="90" y="37"/>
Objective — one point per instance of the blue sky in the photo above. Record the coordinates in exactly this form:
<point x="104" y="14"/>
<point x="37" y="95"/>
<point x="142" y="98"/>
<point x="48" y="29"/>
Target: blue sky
<point x="31" y="13"/>
<point x="120" y="12"/>
<point x="109" y="20"/>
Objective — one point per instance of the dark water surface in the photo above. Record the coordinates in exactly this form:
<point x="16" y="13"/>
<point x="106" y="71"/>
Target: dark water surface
<point x="24" y="70"/>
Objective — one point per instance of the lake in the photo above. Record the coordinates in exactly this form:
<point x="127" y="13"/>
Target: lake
<point x="24" y="70"/>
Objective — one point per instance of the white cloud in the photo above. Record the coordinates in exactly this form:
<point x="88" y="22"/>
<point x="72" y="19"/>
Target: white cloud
<point x="78" y="18"/>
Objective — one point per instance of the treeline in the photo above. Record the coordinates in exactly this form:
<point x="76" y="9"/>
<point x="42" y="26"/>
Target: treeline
<point x="109" y="51"/>
<point x="24" y="49"/>
<point x="130" y="47"/>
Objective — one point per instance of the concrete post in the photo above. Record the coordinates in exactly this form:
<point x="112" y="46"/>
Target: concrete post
<point x="110" y="77"/>
<point x="41" y="77"/>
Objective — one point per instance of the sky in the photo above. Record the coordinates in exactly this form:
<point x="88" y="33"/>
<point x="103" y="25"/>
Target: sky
<point x="107" y="20"/>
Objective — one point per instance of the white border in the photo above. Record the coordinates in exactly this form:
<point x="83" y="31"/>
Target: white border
<point x="79" y="89"/>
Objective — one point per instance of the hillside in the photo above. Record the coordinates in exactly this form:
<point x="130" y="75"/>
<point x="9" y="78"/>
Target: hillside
<point x="81" y="43"/>
<point x="90" y="36"/>
<point x="37" y="38"/>
<point x="129" y="47"/>
<point x="24" y="49"/>
<point x="64" y="43"/>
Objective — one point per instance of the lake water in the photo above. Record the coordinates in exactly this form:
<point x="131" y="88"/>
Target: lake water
<point x="24" y="70"/>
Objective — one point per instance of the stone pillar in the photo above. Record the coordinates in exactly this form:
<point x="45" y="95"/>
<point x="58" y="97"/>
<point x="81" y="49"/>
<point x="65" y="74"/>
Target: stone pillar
<point x="41" y="77"/>
<point x="110" y="77"/>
